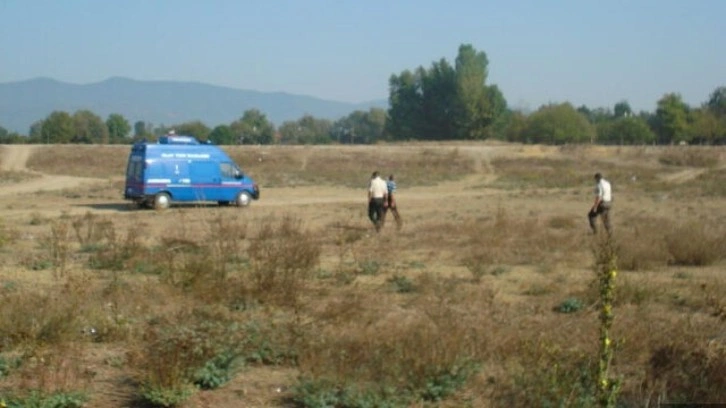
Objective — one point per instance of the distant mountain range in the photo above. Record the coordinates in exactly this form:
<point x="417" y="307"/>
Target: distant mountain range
<point x="158" y="102"/>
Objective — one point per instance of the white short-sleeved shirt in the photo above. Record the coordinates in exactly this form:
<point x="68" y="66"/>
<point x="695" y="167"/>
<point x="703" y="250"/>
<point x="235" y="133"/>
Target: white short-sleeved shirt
<point x="378" y="188"/>
<point x="604" y="191"/>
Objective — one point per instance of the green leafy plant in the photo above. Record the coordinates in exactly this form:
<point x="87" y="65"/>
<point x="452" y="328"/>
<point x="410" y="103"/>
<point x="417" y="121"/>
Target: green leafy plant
<point x="38" y="399"/>
<point x="570" y="305"/>
<point x="401" y="284"/>
<point x="167" y="397"/>
<point x="217" y="371"/>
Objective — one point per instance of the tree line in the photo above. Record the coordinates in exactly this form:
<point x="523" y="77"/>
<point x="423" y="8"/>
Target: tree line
<point x="442" y="102"/>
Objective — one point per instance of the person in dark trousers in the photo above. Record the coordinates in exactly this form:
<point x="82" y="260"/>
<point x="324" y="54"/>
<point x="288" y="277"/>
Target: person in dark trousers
<point x="377" y="195"/>
<point x="602" y="204"/>
<point x="390" y="204"/>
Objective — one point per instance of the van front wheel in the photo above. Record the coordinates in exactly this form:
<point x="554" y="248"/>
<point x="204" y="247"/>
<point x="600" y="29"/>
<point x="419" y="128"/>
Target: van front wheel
<point x="162" y="201"/>
<point x="243" y="199"/>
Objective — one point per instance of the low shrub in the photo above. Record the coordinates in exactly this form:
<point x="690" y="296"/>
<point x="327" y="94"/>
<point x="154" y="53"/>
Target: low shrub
<point x="549" y="376"/>
<point x="178" y="347"/>
<point x="686" y="373"/>
<point x="283" y="258"/>
<point x="39" y="399"/>
<point x="570" y="305"/>
<point x="399" y="357"/>
<point x="696" y="243"/>
<point x="217" y="371"/>
<point x="167" y="397"/>
<point x="401" y="284"/>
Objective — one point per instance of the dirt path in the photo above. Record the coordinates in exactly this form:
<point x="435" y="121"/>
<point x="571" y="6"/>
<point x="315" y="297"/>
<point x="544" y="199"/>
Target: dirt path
<point x="15" y="158"/>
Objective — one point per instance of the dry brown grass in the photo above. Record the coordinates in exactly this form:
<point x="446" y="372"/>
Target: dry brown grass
<point x="463" y="304"/>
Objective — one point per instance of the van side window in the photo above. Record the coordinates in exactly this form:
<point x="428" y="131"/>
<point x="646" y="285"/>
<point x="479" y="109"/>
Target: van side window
<point x="228" y="170"/>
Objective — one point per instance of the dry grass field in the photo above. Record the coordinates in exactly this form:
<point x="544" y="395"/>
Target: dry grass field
<point x="486" y="297"/>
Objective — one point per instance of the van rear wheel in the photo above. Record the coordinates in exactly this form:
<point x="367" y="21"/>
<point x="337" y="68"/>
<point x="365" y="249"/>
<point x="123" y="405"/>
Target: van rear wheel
<point x="162" y="201"/>
<point x="243" y="199"/>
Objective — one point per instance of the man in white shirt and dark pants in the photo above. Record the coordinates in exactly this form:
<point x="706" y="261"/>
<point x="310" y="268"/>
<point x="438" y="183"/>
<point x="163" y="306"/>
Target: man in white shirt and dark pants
<point x="602" y="204"/>
<point x="377" y="195"/>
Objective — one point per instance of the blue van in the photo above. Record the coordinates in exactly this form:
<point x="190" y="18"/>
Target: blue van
<point x="180" y="169"/>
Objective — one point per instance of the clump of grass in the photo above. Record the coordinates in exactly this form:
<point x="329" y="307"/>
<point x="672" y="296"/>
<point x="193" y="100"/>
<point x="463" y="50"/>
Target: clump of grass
<point x="424" y="354"/>
<point x="696" y="243"/>
<point x="177" y="348"/>
<point x="640" y="244"/>
<point x="692" y="156"/>
<point x="283" y="258"/>
<point x="91" y="229"/>
<point x="30" y="318"/>
<point x="57" y="243"/>
<point x="51" y="376"/>
<point x="369" y="267"/>
<point x="687" y="372"/>
<point x="547" y="374"/>
<point x="401" y="284"/>
<point x="42" y="399"/>
<point x="506" y="240"/>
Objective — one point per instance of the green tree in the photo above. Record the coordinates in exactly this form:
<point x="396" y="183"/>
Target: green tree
<point x="35" y="133"/>
<point x="89" y="128"/>
<point x="705" y="127"/>
<point x="57" y="128"/>
<point x="671" y="119"/>
<point x="306" y="130"/>
<point x="143" y="130"/>
<point x="596" y="115"/>
<point x="360" y="127"/>
<point x="445" y="102"/>
<point x="474" y="110"/>
<point x="253" y="128"/>
<point x="717" y="102"/>
<point x="516" y="122"/>
<point x="405" y="112"/>
<point x="222" y="135"/>
<point x="195" y="128"/>
<point x="622" y="109"/>
<point x="558" y="124"/>
<point x="438" y="101"/>
<point x="498" y="112"/>
<point x="627" y="130"/>
<point x="118" y="128"/>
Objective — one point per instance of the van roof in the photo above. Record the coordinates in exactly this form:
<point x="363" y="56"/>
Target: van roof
<point x="178" y="140"/>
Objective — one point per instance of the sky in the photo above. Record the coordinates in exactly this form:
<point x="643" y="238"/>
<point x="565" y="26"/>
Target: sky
<point x="594" y="53"/>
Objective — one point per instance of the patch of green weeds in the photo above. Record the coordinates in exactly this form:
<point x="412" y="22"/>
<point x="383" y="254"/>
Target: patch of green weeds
<point x="570" y="305"/>
<point x="401" y="284"/>
<point x="369" y="267"/>
<point x="217" y="371"/>
<point x="38" y="399"/>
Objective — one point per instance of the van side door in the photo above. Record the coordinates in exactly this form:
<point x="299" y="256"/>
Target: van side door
<point x="206" y="180"/>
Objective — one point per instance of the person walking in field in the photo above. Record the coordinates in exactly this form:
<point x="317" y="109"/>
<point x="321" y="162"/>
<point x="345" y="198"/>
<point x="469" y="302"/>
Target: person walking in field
<point x="390" y="204"/>
<point x="377" y="196"/>
<point x="602" y="204"/>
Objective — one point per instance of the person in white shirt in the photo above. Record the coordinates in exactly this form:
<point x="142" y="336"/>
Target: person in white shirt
<point x="602" y="204"/>
<point x="377" y="195"/>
